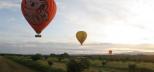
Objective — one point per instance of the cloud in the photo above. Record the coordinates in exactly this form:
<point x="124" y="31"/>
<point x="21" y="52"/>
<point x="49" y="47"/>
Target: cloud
<point x="130" y="19"/>
<point x="7" y="4"/>
<point x="58" y="48"/>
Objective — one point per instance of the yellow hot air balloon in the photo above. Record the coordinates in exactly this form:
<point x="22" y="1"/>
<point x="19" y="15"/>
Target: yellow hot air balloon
<point x="81" y="36"/>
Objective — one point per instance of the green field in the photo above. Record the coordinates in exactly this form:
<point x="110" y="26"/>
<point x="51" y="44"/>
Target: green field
<point x="83" y="63"/>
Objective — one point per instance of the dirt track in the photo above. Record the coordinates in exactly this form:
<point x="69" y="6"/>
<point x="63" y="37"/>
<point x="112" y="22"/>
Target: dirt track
<point x="10" y="66"/>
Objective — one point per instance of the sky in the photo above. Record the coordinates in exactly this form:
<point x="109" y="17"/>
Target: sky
<point x="105" y="21"/>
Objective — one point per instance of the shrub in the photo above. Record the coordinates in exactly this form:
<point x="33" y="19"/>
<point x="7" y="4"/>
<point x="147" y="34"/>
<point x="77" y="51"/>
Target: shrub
<point x="36" y="57"/>
<point x="132" y="67"/>
<point x="78" y="66"/>
<point x="104" y="62"/>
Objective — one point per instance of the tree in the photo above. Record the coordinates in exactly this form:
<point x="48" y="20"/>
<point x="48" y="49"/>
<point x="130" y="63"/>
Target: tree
<point x="53" y="55"/>
<point x="64" y="55"/>
<point x="36" y="57"/>
<point x="50" y="63"/>
<point x="45" y="57"/>
<point x="78" y="66"/>
<point x="132" y="67"/>
<point x="84" y="63"/>
<point x="104" y="62"/>
<point x="73" y="66"/>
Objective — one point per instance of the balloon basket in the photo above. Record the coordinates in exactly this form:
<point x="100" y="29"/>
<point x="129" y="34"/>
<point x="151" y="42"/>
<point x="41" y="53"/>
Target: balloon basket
<point x="38" y="36"/>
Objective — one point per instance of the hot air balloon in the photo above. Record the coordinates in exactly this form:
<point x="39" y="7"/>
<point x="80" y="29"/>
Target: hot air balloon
<point x="81" y="36"/>
<point x="110" y="52"/>
<point x="38" y="13"/>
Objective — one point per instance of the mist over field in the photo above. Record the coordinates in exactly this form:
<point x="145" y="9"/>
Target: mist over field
<point x="58" y="48"/>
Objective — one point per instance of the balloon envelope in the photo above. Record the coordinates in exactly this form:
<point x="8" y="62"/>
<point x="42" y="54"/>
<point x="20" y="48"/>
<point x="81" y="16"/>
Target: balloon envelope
<point x="81" y="36"/>
<point x="110" y="52"/>
<point x="38" y="13"/>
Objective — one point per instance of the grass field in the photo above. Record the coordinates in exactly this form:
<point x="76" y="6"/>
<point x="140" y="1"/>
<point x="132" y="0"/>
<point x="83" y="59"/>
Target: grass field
<point x="97" y="63"/>
<point x="10" y="66"/>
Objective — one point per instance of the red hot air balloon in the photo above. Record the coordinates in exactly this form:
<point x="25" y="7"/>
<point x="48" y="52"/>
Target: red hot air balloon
<point x="110" y="52"/>
<point x="38" y="13"/>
